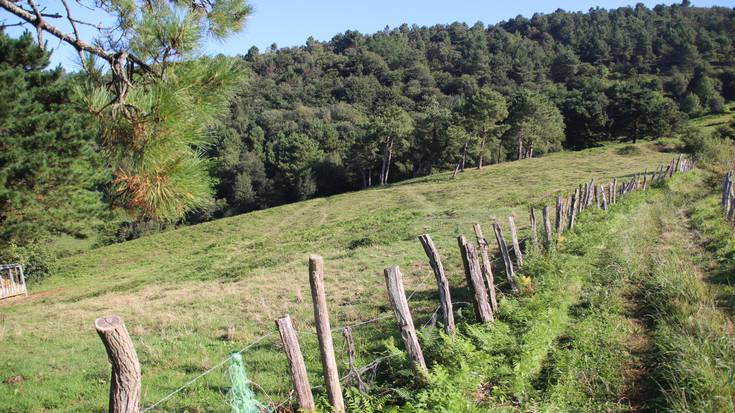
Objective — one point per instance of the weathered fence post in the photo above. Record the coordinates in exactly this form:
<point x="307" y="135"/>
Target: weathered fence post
<point x="726" y="184"/>
<point x="487" y="270"/>
<point x="590" y="191"/>
<point x="509" y="272"/>
<point x="559" y="214"/>
<point x="547" y="227"/>
<point x="574" y="207"/>
<point x="125" y="377"/>
<point x="474" y="280"/>
<point x="534" y="227"/>
<point x="613" y="191"/>
<point x="350" y="343"/>
<point x="604" y="198"/>
<point x="296" y="364"/>
<point x="324" y="333"/>
<point x="397" y="297"/>
<point x="514" y="238"/>
<point x="597" y="196"/>
<point x="442" y="284"/>
<point x="583" y="195"/>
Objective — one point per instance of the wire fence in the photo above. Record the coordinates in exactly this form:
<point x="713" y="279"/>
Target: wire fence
<point x="260" y="339"/>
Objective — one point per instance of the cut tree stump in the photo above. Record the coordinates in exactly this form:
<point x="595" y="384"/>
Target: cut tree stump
<point x="125" y="378"/>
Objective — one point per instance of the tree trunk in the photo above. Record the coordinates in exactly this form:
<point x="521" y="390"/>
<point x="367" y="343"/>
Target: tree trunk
<point x="387" y="155"/>
<point x="520" y="146"/>
<point x="464" y="157"/>
<point x="482" y="150"/>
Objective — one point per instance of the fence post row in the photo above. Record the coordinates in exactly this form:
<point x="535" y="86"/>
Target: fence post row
<point x="445" y="298"/>
<point x="397" y="297"/>
<point x="324" y="333"/>
<point x="125" y="386"/>
<point x="474" y="280"/>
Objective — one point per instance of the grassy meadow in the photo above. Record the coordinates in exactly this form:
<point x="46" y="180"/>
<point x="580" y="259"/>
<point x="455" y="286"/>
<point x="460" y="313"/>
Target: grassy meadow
<point x="191" y="296"/>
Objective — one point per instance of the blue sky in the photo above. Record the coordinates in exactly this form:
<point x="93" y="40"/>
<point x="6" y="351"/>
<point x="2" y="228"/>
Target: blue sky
<point x="291" y="22"/>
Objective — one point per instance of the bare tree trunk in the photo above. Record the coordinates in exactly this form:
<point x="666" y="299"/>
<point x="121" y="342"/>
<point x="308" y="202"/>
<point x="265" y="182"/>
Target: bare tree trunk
<point x="520" y="146"/>
<point x="387" y="155"/>
<point x="464" y="157"/>
<point x="482" y="150"/>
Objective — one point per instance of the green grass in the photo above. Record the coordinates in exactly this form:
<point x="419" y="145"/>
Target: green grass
<point x="191" y="296"/>
<point x="709" y="123"/>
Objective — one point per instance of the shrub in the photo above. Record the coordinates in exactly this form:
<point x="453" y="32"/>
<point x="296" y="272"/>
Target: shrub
<point x="37" y="260"/>
<point x="629" y="150"/>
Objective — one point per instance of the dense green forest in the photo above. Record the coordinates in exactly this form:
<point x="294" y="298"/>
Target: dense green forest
<point x="364" y="110"/>
<point x="319" y="119"/>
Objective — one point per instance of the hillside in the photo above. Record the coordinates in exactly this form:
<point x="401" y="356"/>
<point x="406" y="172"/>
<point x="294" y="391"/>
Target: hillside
<point x="191" y="296"/>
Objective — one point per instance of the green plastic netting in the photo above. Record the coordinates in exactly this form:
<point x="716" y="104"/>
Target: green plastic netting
<point x="241" y="397"/>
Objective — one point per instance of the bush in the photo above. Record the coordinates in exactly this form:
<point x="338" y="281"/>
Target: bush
<point x="712" y="152"/>
<point x="37" y="260"/>
<point x="629" y="150"/>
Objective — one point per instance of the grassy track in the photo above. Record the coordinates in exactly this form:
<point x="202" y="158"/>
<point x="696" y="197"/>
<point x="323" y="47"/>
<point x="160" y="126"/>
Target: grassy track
<point x="629" y="315"/>
<point x="191" y="296"/>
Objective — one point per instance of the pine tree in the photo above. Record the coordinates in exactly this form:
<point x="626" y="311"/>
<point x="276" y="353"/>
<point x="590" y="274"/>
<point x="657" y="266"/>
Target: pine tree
<point x="155" y="98"/>
<point x="50" y="168"/>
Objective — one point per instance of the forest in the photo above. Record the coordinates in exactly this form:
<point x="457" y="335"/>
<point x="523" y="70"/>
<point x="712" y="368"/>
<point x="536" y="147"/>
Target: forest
<point x="363" y="110"/>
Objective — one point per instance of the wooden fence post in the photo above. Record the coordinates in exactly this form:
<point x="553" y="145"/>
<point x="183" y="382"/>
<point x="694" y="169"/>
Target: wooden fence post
<point x="597" y="196"/>
<point x="726" y="191"/>
<point x="604" y="198"/>
<point x="125" y="378"/>
<point x="475" y="283"/>
<point x="487" y="270"/>
<point x="613" y="193"/>
<point x="296" y="364"/>
<point x="559" y="214"/>
<point x="534" y="227"/>
<point x="547" y="227"/>
<point x="574" y="207"/>
<point x="590" y="192"/>
<point x="442" y="284"/>
<point x="509" y="272"/>
<point x="583" y="195"/>
<point x="350" y="343"/>
<point x="324" y="333"/>
<point x="514" y="238"/>
<point x="397" y="297"/>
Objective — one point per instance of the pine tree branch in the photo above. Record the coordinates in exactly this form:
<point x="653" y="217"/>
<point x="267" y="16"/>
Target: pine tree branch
<point x="42" y="25"/>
